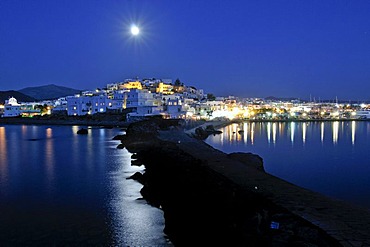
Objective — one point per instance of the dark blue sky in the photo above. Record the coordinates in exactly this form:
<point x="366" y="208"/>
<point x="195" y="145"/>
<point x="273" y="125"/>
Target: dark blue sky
<point x="244" y="48"/>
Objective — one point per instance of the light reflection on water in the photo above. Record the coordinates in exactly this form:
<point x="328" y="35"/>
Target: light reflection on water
<point x="328" y="157"/>
<point x="58" y="187"/>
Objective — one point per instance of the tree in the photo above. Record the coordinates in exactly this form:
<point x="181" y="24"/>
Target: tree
<point x="178" y="82"/>
<point x="211" y="97"/>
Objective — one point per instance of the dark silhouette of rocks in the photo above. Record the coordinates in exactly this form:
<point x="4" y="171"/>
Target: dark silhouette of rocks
<point x="138" y="177"/>
<point x="248" y="159"/>
<point x="82" y="131"/>
<point x="118" y="137"/>
<point x="202" y="133"/>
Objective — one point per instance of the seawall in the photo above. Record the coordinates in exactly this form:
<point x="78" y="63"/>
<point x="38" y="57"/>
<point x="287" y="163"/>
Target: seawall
<point x="210" y="198"/>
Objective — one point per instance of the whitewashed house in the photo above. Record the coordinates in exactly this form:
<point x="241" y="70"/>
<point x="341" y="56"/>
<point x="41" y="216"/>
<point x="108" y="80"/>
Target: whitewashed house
<point x="142" y="103"/>
<point x="78" y="105"/>
<point x="173" y="106"/>
<point x="12" y="108"/>
<point x="60" y="106"/>
<point x="82" y="105"/>
<point x="194" y="93"/>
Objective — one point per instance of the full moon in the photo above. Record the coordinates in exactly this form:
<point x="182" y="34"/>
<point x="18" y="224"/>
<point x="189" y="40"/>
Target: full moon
<point x="135" y="30"/>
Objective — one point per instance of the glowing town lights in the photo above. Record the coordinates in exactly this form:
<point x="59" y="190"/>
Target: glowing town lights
<point x="353" y="113"/>
<point x="246" y="113"/>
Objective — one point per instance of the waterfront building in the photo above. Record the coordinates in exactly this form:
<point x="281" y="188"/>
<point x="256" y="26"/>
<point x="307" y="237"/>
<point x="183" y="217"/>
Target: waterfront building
<point x="82" y="105"/>
<point x="60" y="106"/>
<point x="202" y="110"/>
<point x="78" y="105"/>
<point x="14" y="109"/>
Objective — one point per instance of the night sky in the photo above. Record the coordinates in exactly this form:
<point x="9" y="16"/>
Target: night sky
<point x="246" y="48"/>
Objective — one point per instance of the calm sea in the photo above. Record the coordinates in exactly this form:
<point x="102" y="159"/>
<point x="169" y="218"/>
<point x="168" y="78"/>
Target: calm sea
<point x="58" y="188"/>
<point x="332" y="158"/>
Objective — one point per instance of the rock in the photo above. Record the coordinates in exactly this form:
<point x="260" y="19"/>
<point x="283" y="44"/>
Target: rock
<point x="249" y="159"/>
<point x="138" y="177"/>
<point x="121" y="146"/>
<point x="136" y="163"/>
<point x="82" y="131"/>
<point x="118" y="137"/>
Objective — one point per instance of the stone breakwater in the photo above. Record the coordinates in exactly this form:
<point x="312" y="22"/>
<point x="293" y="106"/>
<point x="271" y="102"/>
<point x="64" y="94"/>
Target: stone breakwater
<point x="210" y="198"/>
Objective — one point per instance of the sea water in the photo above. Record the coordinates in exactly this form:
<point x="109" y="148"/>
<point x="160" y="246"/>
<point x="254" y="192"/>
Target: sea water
<point x="58" y="188"/>
<point x="332" y="158"/>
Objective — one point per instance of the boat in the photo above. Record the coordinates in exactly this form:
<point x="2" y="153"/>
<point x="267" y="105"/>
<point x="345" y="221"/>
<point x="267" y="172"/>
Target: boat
<point x="363" y="114"/>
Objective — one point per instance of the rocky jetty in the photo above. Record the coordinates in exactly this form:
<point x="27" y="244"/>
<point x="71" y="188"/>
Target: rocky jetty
<point x="203" y="207"/>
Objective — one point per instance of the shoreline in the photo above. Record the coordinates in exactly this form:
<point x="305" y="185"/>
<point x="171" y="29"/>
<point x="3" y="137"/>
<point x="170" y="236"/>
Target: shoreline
<point x="114" y="121"/>
<point x="67" y="122"/>
<point x="108" y="121"/>
<point x="300" y="120"/>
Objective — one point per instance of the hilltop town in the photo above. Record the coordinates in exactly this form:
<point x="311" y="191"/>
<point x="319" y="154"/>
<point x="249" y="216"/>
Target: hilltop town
<point x="135" y="99"/>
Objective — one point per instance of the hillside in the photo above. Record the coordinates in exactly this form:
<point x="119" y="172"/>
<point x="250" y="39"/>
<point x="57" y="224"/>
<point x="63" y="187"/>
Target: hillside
<point x="4" y="95"/>
<point x="48" y="92"/>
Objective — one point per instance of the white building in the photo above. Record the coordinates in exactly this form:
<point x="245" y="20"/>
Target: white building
<point x="12" y="108"/>
<point x="173" y="105"/>
<point x="82" y="105"/>
<point x="78" y="105"/>
<point x="60" y="105"/>
<point x="142" y="103"/>
<point x="192" y="92"/>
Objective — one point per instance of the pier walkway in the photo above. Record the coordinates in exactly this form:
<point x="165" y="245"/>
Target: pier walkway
<point x="348" y="224"/>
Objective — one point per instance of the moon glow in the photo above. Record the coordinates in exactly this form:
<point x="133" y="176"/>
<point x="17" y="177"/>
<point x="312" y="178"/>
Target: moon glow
<point x="135" y="30"/>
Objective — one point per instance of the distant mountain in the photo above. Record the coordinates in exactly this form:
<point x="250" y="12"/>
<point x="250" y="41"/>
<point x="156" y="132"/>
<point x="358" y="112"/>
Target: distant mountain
<point x="48" y="92"/>
<point x="5" y="95"/>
